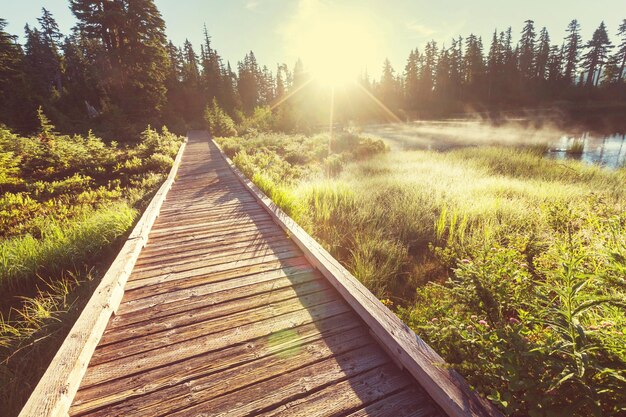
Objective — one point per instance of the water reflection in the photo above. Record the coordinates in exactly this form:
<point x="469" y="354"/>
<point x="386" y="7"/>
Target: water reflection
<point x="609" y="151"/>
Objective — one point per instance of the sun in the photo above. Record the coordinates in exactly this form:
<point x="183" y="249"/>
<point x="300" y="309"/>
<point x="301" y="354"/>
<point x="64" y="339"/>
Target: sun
<point x="335" y="48"/>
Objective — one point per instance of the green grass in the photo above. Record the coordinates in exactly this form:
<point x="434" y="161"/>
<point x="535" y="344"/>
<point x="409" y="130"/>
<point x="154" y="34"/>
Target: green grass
<point x="62" y="246"/>
<point x="509" y="264"/>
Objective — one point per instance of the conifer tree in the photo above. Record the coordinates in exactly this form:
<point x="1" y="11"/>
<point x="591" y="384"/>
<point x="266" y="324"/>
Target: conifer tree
<point x="442" y="74"/>
<point x="388" y="87"/>
<point x="37" y="64"/>
<point x="190" y="72"/>
<point x="597" y="54"/>
<point x="555" y="64"/>
<point x="10" y="56"/>
<point x="411" y="80"/>
<point x="494" y="64"/>
<point x="542" y="54"/>
<point x="620" y="54"/>
<point x="229" y="87"/>
<point x="211" y="70"/>
<point x="280" y="83"/>
<point x="526" y="57"/>
<point x="248" y="82"/>
<point x="134" y="58"/>
<point x="81" y="83"/>
<point x="299" y="75"/>
<point x="14" y="104"/>
<point x="456" y="67"/>
<point x="427" y="71"/>
<point x="51" y="36"/>
<point x="509" y="61"/>
<point x="572" y="51"/>
<point x="474" y="64"/>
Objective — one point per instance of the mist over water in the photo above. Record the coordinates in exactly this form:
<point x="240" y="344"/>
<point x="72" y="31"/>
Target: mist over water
<point x="608" y="150"/>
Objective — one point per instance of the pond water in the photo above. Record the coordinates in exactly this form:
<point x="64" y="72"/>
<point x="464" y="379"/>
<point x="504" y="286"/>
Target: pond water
<point x="608" y="150"/>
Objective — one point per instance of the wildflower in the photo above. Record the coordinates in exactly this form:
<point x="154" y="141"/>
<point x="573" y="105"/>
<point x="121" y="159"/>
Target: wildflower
<point x="465" y="261"/>
<point x="483" y="323"/>
<point x="513" y="320"/>
<point x="434" y="320"/>
<point x="470" y="328"/>
<point x="474" y="317"/>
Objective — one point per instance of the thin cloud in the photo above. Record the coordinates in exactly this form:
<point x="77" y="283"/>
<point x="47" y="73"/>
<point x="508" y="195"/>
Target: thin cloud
<point x="252" y="5"/>
<point x="419" y="30"/>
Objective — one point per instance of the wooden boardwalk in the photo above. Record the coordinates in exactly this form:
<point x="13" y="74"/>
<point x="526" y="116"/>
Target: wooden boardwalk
<point x="223" y="315"/>
<point x="219" y="304"/>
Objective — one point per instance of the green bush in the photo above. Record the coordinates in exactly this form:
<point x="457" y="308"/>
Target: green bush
<point x="219" y="123"/>
<point x="261" y="121"/>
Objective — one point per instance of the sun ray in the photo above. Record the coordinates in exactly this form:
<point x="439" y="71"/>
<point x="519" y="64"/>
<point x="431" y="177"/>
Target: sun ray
<point x="291" y="94"/>
<point x="388" y="112"/>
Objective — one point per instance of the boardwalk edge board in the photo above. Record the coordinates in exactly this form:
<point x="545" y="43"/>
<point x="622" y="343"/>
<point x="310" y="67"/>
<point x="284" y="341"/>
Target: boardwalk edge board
<point x="55" y="391"/>
<point x="446" y="387"/>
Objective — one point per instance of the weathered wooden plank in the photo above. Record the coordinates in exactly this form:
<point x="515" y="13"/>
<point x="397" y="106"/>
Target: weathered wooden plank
<point x="54" y="393"/>
<point x="256" y="398"/>
<point x="223" y="304"/>
<point x="214" y="273"/>
<point x="207" y="363"/>
<point x="213" y="254"/>
<point x="444" y="385"/>
<point x="186" y="223"/>
<point x="190" y="243"/>
<point x="409" y="402"/>
<point x="131" y="311"/>
<point x="209" y="251"/>
<point x="227" y="198"/>
<point x="200" y="323"/>
<point x="209" y="215"/>
<point x="205" y="387"/>
<point x="161" y="268"/>
<point x="345" y="396"/>
<point x="217" y="209"/>
<point x="137" y="364"/>
<point x="172" y="234"/>
<point x="211" y="235"/>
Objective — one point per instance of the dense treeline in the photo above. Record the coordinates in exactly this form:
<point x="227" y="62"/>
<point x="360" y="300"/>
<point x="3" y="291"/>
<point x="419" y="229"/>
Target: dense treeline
<point x="117" y="72"/>
<point x="530" y="73"/>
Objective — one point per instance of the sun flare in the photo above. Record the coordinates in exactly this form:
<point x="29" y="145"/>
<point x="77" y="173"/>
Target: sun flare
<point x="334" y="49"/>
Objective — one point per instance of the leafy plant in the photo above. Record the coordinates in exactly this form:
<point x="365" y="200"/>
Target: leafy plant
<point x="219" y="123"/>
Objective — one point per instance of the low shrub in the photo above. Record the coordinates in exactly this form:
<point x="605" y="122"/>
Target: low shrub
<point x="219" y="123"/>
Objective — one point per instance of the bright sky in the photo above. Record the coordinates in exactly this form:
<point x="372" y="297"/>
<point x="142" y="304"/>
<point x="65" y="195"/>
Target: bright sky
<point x="282" y="30"/>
